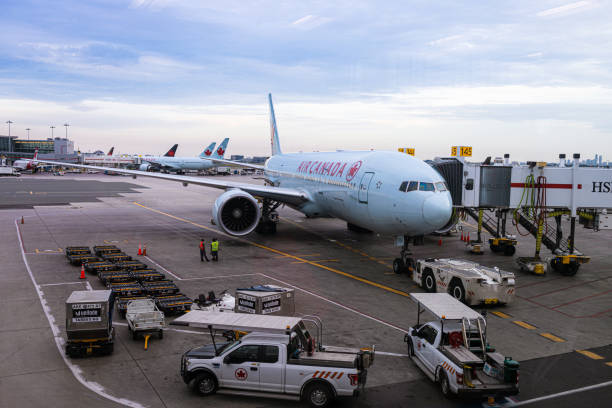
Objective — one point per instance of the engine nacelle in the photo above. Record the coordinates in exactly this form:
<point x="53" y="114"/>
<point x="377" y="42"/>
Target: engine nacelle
<point x="236" y="212"/>
<point x="144" y="167"/>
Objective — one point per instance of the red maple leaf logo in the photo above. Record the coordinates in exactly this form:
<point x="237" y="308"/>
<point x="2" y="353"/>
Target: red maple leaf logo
<point x="171" y="153"/>
<point x="207" y="152"/>
<point x="241" y="374"/>
<point x="353" y="171"/>
<point x="220" y="151"/>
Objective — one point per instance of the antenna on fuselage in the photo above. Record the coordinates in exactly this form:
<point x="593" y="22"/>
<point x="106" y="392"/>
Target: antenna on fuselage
<point x="273" y="130"/>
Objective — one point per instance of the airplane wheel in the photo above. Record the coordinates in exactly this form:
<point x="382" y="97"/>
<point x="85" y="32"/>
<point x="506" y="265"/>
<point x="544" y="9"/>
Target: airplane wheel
<point x="398" y="265"/>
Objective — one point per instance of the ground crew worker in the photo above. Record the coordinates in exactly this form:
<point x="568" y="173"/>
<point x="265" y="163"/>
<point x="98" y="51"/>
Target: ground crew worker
<point x="214" y="249"/>
<point x="203" y="251"/>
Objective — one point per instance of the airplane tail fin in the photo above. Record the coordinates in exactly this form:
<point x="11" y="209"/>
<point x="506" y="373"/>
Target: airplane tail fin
<point x="35" y="154"/>
<point x="218" y="154"/>
<point x="172" y="151"/>
<point x="110" y="152"/>
<point x="276" y="149"/>
<point x="208" y="151"/>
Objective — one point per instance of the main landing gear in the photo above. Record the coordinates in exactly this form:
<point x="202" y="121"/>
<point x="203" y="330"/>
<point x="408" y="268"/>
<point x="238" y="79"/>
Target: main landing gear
<point x="405" y="263"/>
<point x="269" y="217"/>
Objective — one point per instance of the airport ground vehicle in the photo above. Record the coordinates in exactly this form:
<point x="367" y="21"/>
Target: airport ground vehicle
<point x="452" y="349"/>
<point x="278" y="358"/>
<point x="89" y="325"/>
<point x="226" y="303"/>
<point x="143" y="317"/>
<point x="9" y="171"/>
<point x="466" y="281"/>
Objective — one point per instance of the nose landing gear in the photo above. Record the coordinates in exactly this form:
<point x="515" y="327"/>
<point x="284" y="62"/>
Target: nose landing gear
<point x="405" y="263"/>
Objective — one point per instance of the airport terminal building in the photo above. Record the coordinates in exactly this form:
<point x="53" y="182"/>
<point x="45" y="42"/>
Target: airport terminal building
<point x="57" y="148"/>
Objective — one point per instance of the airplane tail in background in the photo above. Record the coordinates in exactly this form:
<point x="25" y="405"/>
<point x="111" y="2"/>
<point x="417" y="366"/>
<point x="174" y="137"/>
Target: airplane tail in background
<point x="35" y="154"/>
<point x="172" y="151"/>
<point x="208" y="151"/>
<point x="110" y="152"/>
<point x="218" y="154"/>
<point x="276" y="149"/>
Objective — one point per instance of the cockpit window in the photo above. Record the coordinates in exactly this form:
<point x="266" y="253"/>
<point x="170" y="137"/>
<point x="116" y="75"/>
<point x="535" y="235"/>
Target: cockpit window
<point x="426" y="187"/>
<point x="403" y="186"/>
<point x="441" y="186"/>
<point x="413" y="186"/>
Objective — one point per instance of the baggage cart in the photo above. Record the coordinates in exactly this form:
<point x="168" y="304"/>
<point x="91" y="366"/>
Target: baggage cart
<point x="89" y="325"/>
<point x="173" y="304"/>
<point x="144" y="318"/>
<point x="116" y="257"/>
<point x="96" y="267"/>
<point x="131" y="265"/>
<point x="74" y="250"/>
<point x="101" y="249"/>
<point x="80" y="259"/>
<point x="122" y="302"/>
<point x="147" y="275"/>
<point x="107" y="277"/>
<point x="160" y="288"/>
<point x="124" y="289"/>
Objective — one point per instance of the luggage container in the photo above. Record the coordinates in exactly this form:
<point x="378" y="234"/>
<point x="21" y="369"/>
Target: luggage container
<point x="122" y="302"/>
<point x="173" y="304"/>
<point x="116" y="257"/>
<point x="103" y="249"/>
<point x="107" y="277"/>
<point x="266" y="299"/>
<point x="96" y="267"/>
<point x="160" y="288"/>
<point x="147" y="275"/>
<point x="76" y="250"/>
<point x="80" y="259"/>
<point x="124" y="289"/>
<point x="131" y="265"/>
<point x="89" y="324"/>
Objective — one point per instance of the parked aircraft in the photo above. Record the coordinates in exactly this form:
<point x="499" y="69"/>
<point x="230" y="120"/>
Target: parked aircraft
<point x="381" y="191"/>
<point x="180" y="164"/>
<point x="26" y="164"/>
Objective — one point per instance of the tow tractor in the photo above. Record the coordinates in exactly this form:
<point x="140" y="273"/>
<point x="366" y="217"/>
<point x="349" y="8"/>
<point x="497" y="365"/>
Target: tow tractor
<point x="452" y="349"/>
<point x="277" y="358"/>
<point x="466" y="281"/>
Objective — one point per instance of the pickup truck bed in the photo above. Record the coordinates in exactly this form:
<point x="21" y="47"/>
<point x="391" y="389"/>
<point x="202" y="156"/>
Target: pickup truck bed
<point x="325" y="359"/>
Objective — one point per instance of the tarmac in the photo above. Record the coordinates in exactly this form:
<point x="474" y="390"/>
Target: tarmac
<point x="559" y="328"/>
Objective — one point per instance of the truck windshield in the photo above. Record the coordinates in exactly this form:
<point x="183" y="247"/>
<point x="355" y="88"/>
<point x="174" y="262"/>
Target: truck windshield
<point x="227" y="346"/>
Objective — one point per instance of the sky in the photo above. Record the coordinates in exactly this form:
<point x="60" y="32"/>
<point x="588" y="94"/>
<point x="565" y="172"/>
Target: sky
<point x="529" y="78"/>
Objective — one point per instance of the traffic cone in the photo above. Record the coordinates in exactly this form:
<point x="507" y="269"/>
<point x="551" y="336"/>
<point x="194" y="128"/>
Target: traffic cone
<point x="82" y="272"/>
<point x="461" y="236"/>
<point x="144" y="250"/>
<point x="22" y="219"/>
<point x="139" y="249"/>
<point x="440" y="242"/>
<point x="467" y="239"/>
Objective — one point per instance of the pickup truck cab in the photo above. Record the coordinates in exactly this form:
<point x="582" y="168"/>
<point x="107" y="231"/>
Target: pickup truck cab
<point x="281" y="361"/>
<point x="452" y="350"/>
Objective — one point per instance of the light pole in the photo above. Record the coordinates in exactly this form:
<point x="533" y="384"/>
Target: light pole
<point x="66" y="126"/>
<point x="52" y="127"/>
<point x="28" y="130"/>
<point x="9" y="123"/>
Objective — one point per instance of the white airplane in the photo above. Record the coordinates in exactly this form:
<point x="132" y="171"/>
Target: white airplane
<point x="381" y="191"/>
<point x="26" y="164"/>
<point x="180" y="164"/>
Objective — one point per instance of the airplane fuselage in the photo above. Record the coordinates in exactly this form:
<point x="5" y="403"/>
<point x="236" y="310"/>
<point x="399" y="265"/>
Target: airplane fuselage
<point x="180" y="163"/>
<point x="363" y="188"/>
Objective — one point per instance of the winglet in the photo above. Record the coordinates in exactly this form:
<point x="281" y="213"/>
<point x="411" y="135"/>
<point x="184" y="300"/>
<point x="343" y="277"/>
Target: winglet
<point x="110" y="152"/>
<point x="276" y="149"/>
<point x="172" y="151"/>
<point x="208" y="151"/>
<point x="218" y="154"/>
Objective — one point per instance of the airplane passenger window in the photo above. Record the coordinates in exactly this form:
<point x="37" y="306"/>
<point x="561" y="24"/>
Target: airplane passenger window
<point x="403" y="186"/>
<point x="413" y="186"/>
<point x="426" y="187"/>
<point x="441" y="186"/>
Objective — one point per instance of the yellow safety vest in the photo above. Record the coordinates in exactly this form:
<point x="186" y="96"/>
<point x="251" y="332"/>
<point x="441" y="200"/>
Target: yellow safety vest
<point x="214" y="246"/>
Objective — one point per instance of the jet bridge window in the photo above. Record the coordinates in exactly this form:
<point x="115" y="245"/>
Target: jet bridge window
<point x="426" y="187"/>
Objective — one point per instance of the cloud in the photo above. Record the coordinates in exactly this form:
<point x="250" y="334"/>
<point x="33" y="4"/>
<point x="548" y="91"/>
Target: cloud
<point x="310" y="21"/>
<point x="565" y="10"/>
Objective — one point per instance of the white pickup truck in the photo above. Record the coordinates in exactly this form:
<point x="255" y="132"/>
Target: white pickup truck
<point x="466" y="281"/>
<point x="278" y="358"/>
<point x="452" y="350"/>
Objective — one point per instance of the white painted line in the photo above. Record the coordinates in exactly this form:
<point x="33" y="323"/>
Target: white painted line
<point x="384" y="353"/>
<point x="59" y="340"/>
<point x="220" y="276"/>
<point x="161" y="267"/>
<point x="559" y="394"/>
<point x="88" y="286"/>
<point x="61" y="283"/>
<point x="338" y="304"/>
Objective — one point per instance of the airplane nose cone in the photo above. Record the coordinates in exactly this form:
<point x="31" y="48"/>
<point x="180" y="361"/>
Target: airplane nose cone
<point x="437" y="210"/>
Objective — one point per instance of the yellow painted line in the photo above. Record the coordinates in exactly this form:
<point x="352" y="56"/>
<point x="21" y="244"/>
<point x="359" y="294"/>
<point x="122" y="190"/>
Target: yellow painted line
<point x="276" y="251"/>
<point x="552" y="337"/>
<point x="318" y="260"/>
<point x="524" y="325"/>
<point x="590" y="354"/>
<point x="304" y="255"/>
<point x="357" y="251"/>
<point x="501" y="314"/>
<point x="609" y="363"/>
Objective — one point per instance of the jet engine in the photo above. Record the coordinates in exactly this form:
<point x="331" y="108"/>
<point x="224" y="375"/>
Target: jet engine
<point x="144" y="167"/>
<point x="236" y="212"/>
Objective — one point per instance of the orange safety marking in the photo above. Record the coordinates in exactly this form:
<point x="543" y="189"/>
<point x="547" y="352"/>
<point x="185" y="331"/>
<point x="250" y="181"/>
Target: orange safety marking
<point x="340" y="375"/>
<point x="327" y="375"/>
<point x="321" y="375"/>
<point x="333" y="375"/>
<point x="315" y="374"/>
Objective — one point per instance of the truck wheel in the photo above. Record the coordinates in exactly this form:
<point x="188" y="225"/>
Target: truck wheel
<point x="205" y="384"/>
<point x="134" y="334"/>
<point x="410" y="348"/>
<point x="494" y="248"/>
<point x="318" y="395"/>
<point x="428" y="281"/>
<point x="569" y="269"/>
<point x="509" y="250"/>
<point x="398" y="265"/>
<point x="161" y="333"/>
<point x="555" y="264"/>
<point x="457" y="290"/>
<point x="444" y="385"/>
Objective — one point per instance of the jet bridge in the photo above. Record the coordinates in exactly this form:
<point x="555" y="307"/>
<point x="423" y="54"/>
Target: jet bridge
<point x="535" y="197"/>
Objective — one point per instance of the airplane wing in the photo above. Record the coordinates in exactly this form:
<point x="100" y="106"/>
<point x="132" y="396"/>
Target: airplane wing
<point x="235" y="164"/>
<point x="283" y="195"/>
